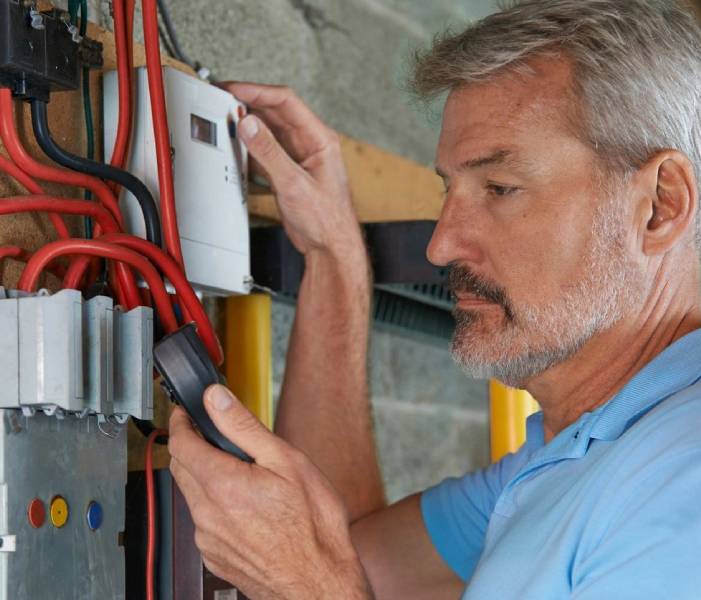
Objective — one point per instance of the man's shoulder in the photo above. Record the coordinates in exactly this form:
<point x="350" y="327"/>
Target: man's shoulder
<point x="664" y="439"/>
<point x="672" y="425"/>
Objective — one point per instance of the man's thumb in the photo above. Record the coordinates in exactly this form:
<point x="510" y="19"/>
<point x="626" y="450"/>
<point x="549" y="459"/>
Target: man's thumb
<point x="239" y="425"/>
<point x="263" y="146"/>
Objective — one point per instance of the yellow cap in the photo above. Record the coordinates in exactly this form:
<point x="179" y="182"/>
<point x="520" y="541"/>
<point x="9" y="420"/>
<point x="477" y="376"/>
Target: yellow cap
<point x="59" y="511"/>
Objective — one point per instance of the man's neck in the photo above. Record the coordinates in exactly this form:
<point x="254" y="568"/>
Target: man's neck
<point x="610" y="359"/>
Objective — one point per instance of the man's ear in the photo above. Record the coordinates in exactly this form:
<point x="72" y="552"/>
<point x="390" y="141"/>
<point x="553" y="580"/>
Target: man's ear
<point x="668" y="202"/>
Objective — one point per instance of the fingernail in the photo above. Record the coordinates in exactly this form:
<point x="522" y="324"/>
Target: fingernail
<point x="221" y="398"/>
<point x="248" y="127"/>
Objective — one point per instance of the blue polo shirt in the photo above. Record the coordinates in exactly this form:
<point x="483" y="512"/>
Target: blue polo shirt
<point x="609" y="509"/>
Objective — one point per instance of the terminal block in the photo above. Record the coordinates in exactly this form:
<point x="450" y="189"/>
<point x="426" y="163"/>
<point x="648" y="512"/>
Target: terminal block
<point x="133" y="384"/>
<point x="41" y="51"/>
<point x="98" y="355"/>
<point x="63" y="355"/>
<point x="50" y="351"/>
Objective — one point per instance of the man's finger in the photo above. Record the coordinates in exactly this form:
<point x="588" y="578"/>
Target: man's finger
<point x="202" y="460"/>
<point x="191" y="489"/>
<point x="240" y="426"/>
<point x="270" y="155"/>
<point x="290" y="107"/>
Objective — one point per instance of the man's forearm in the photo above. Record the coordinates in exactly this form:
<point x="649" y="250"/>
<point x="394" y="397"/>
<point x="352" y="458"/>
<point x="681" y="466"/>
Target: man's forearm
<point x="324" y="407"/>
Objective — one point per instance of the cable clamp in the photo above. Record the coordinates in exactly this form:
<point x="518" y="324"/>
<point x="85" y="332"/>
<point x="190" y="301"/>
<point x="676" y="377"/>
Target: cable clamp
<point x="72" y="29"/>
<point x="75" y="33"/>
<point x="256" y="287"/>
<point x="36" y="19"/>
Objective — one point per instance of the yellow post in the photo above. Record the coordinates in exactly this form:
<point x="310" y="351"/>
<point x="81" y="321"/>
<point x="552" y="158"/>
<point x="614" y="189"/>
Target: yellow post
<point x="248" y="347"/>
<point x="508" y="410"/>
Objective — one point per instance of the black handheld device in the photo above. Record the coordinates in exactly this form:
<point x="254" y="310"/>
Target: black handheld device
<point x="187" y="370"/>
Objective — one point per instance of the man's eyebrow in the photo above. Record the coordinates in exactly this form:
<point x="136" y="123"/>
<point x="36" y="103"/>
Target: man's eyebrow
<point x="495" y="158"/>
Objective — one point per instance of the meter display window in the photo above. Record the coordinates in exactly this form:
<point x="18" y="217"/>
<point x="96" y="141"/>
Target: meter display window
<point x="203" y="130"/>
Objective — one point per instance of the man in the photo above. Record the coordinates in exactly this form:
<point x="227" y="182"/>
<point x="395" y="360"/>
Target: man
<point x="570" y="150"/>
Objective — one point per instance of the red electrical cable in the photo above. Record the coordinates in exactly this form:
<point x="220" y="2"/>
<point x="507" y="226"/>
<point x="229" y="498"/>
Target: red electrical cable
<point x="189" y="302"/>
<point x="151" y="513"/>
<point x="34" y="188"/>
<point x="53" y="250"/>
<point x="10" y="139"/>
<point x="131" y="8"/>
<point x="22" y="255"/>
<point x="169" y="219"/>
<point x="14" y="147"/>
<point x="19" y="204"/>
<point x="121" y="144"/>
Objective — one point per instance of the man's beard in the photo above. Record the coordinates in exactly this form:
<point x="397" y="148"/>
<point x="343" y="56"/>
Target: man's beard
<point x="532" y="338"/>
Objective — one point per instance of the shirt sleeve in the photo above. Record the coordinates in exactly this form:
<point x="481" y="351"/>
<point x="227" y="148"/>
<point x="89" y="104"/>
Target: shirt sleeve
<point x="456" y="512"/>
<point x="652" y="545"/>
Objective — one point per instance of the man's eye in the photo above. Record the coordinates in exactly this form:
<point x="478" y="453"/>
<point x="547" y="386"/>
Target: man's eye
<point x="500" y="190"/>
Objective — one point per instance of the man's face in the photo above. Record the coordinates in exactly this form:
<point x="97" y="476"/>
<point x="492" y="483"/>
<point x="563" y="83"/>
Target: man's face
<point x="537" y="240"/>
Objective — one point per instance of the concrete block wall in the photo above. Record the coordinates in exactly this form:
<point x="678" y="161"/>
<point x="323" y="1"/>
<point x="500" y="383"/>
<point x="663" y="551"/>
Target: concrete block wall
<point x="348" y="60"/>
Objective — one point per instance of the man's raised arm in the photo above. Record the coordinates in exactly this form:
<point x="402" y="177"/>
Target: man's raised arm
<point x="324" y="408"/>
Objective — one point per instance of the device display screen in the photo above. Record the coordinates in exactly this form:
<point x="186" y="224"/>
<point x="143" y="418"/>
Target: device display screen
<point x="203" y="130"/>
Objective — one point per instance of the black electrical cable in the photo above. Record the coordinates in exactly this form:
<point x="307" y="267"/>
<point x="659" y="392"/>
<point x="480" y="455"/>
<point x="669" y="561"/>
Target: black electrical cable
<point x="165" y="40"/>
<point x="174" y="42"/>
<point x="146" y="428"/>
<point x="40" y="124"/>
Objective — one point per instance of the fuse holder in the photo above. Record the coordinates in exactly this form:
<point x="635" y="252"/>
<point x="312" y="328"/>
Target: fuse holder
<point x="59" y="511"/>
<point x="36" y="513"/>
<point x="94" y="515"/>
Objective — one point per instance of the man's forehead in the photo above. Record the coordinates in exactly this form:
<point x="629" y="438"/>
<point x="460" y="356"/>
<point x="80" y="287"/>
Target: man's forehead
<point x="511" y="106"/>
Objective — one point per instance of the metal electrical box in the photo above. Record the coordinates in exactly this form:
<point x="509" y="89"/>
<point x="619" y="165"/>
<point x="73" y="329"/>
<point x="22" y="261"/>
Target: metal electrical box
<point x="73" y="371"/>
<point x="209" y="171"/>
<point x="61" y="507"/>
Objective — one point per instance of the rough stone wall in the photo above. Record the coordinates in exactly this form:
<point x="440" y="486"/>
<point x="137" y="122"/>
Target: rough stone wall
<point x="347" y="59"/>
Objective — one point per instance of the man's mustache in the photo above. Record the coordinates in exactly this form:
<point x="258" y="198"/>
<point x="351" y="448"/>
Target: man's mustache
<point x="462" y="279"/>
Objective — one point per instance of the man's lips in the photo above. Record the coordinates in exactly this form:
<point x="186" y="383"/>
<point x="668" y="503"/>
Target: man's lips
<point x="465" y="300"/>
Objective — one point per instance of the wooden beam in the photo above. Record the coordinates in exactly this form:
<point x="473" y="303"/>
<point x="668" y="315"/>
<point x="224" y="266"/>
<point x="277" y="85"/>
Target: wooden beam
<point x="385" y="187"/>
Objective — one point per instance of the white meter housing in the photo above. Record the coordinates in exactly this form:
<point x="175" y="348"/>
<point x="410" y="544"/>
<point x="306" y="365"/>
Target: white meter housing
<point x="209" y="171"/>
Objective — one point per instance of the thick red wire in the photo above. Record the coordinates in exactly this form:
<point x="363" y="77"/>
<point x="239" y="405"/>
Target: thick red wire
<point x="128" y="290"/>
<point x="169" y="219"/>
<point x="22" y="255"/>
<point x="151" y="512"/>
<point x="43" y="203"/>
<point x="121" y="144"/>
<point x="14" y="147"/>
<point x="189" y="302"/>
<point x="53" y="250"/>
<point x="34" y="188"/>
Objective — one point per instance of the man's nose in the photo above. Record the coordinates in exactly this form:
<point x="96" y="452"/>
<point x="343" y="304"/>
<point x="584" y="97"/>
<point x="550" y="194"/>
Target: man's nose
<point x="454" y="239"/>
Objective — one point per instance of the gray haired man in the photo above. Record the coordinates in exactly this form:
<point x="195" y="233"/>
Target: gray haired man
<point x="571" y="153"/>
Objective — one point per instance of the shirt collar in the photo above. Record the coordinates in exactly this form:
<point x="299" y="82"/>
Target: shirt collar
<point x="675" y="368"/>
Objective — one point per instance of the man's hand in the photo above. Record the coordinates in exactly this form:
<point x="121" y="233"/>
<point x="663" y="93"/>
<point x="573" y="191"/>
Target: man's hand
<point x="301" y="157"/>
<point x="274" y="528"/>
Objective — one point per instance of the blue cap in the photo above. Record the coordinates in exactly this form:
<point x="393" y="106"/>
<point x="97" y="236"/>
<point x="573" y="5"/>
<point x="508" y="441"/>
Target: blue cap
<point x="94" y="515"/>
